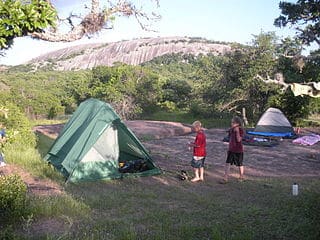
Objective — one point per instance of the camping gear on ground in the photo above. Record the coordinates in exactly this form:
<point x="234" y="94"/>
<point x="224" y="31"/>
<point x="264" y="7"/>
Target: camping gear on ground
<point x="93" y="143"/>
<point x="308" y="140"/>
<point x="135" y="166"/>
<point x="256" y="141"/>
<point x="274" y="124"/>
<point x="183" y="175"/>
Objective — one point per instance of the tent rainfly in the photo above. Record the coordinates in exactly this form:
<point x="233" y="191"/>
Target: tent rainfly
<point x="93" y="142"/>
<point x="273" y="123"/>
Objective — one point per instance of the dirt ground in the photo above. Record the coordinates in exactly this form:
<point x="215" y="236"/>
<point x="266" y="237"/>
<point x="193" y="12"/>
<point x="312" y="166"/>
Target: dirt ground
<point x="284" y="160"/>
<point x="167" y="143"/>
<point x="36" y="186"/>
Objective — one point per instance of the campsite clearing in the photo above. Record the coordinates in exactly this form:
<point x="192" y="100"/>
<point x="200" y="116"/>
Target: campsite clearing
<point x="171" y="153"/>
<point x="163" y="207"/>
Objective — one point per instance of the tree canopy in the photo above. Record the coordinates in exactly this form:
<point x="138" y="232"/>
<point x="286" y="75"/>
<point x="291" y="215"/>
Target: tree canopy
<point x="19" y="18"/>
<point x="304" y="16"/>
<point x="40" y="19"/>
<point x="203" y="85"/>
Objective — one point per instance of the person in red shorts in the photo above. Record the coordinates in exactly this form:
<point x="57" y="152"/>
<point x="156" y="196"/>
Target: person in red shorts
<point x="199" y="152"/>
<point x="235" y="152"/>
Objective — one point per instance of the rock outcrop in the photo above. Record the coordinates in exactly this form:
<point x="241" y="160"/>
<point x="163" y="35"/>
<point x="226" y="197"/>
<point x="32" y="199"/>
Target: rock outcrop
<point x="133" y="52"/>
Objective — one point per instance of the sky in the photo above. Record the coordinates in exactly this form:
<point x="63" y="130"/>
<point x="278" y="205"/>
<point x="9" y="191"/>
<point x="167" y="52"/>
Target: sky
<point x="219" y="20"/>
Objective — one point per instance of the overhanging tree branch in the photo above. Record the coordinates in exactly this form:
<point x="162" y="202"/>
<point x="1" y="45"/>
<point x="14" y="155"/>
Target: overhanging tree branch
<point x="230" y="106"/>
<point x="97" y="19"/>
<point x="278" y="81"/>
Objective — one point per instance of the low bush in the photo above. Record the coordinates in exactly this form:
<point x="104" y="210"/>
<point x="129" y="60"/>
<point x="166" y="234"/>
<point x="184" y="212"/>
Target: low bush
<point x="13" y="196"/>
<point x="18" y="126"/>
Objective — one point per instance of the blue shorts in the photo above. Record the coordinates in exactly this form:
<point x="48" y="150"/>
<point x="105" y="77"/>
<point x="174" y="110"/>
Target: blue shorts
<point x="198" y="163"/>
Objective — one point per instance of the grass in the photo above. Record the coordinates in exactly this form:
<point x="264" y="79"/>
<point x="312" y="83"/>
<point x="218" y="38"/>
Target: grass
<point x="144" y="209"/>
<point x="64" y="208"/>
<point x="312" y="121"/>
<point x="31" y="160"/>
<point x="49" y="121"/>
<point x="43" y="144"/>
<point x="185" y="117"/>
<point x="56" y="206"/>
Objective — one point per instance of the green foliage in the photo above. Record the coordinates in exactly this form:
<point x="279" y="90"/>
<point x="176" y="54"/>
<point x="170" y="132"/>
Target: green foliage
<point x="311" y="69"/>
<point x="219" y="120"/>
<point x="7" y="233"/>
<point x="143" y="212"/>
<point x="17" y="124"/>
<point x="304" y="15"/>
<point x="29" y="159"/>
<point x="129" y="89"/>
<point x="46" y="94"/>
<point x="18" y="18"/>
<point x="294" y="108"/>
<point x="314" y="106"/>
<point x="203" y="85"/>
<point x="55" y="206"/>
<point x="13" y="193"/>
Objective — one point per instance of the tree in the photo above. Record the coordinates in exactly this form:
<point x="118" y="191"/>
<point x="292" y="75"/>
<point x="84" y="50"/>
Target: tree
<point x="17" y="124"/>
<point x="241" y="89"/>
<point x="19" y="18"/>
<point x="304" y="15"/>
<point x="39" y="19"/>
<point x="177" y="91"/>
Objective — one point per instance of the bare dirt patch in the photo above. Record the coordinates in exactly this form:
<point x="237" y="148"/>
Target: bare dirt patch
<point x="54" y="227"/>
<point x="283" y="160"/>
<point x="36" y="186"/>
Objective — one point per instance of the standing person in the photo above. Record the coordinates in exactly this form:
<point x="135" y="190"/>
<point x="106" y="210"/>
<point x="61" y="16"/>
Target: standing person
<point x="2" y="141"/>
<point x="2" y="133"/>
<point x="235" y="152"/>
<point x="199" y="152"/>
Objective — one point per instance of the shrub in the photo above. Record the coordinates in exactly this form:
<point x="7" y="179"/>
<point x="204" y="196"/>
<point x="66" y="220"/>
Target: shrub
<point x="294" y="107"/>
<point x="168" y="106"/>
<point x="13" y="194"/>
<point x="17" y="124"/>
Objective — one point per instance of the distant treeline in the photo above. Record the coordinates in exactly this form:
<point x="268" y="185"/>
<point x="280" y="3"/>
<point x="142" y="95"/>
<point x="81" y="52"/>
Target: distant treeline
<point x="203" y="85"/>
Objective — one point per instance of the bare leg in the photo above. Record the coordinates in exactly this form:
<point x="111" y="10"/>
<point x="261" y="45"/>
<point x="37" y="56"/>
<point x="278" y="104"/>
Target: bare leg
<point x="226" y="171"/>
<point x="241" y="172"/>
<point x="196" y="175"/>
<point x="201" y="170"/>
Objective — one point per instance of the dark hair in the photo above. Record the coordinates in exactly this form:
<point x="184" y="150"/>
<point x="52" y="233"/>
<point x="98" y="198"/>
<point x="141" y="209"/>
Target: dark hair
<point x="237" y="120"/>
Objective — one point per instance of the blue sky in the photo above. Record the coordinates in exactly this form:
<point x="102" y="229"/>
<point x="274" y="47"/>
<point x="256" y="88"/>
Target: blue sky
<point x="220" y="20"/>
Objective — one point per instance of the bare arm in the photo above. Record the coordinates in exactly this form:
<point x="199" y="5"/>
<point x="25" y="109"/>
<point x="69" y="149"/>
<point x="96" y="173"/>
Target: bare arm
<point x="192" y="144"/>
<point x="238" y="136"/>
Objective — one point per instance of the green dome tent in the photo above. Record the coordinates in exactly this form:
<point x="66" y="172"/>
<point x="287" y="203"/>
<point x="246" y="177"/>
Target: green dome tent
<point x="93" y="142"/>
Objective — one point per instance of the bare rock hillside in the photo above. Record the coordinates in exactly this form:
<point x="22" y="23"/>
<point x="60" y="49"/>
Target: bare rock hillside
<point x="133" y="52"/>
